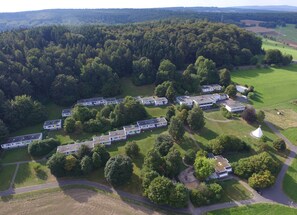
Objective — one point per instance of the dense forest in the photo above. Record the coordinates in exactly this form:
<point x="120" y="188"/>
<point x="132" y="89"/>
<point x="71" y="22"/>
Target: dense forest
<point x="31" y="19"/>
<point x="63" y="64"/>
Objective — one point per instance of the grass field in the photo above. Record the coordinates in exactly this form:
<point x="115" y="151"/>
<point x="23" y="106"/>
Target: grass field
<point x="129" y="89"/>
<point x="259" y="209"/>
<point x="6" y="173"/>
<point x="234" y="191"/>
<point x="269" y="86"/>
<point x="290" y="181"/>
<point x="291" y="134"/>
<point x="237" y="127"/>
<point x="27" y="176"/>
<point x="288" y="33"/>
<point x="270" y="44"/>
<point x="15" y="155"/>
<point x="214" y="115"/>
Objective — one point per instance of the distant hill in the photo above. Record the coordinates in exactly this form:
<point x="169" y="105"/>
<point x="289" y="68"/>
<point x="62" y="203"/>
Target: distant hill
<point x="23" y="20"/>
<point x="279" y="8"/>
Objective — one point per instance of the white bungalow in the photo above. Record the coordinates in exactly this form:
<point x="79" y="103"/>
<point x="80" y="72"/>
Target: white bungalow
<point x="52" y="124"/>
<point x="211" y="88"/>
<point x="66" y="112"/>
<point x="241" y="89"/>
<point x="73" y="148"/>
<point x="21" y="141"/>
<point x="110" y="101"/>
<point x="184" y="100"/>
<point x="152" y="123"/>
<point x="148" y="100"/>
<point x="204" y="102"/>
<point x="159" y="101"/>
<point x="132" y="129"/>
<point x="222" y="167"/>
<point x="117" y="135"/>
<point x="233" y="106"/>
<point x="91" y="101"/>
<point x="103" y="139"/>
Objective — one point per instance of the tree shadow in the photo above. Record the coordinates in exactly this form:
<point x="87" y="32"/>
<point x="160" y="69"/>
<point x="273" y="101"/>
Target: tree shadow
<point x="23" y="173"/>
<point x="139" y="160"/>
<point x="207" y="133"/>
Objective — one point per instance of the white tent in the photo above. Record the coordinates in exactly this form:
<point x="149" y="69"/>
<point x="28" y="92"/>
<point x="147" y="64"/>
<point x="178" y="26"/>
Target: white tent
<point x="257" y="133"/>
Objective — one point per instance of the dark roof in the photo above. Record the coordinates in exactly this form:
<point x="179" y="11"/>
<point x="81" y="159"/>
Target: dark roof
<point x="52" y="122"/>
<point x="26" y="137"/>
<point x="151" y="121"/>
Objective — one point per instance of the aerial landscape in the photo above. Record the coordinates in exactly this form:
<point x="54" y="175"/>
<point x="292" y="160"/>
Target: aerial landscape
<point x="139" y="107"/>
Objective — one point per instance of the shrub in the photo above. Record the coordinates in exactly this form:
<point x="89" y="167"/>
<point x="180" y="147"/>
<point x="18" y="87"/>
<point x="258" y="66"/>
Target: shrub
<point x="226" y="113"/>
<point x="206" y="194"/>
<point x="189" y="157"/>
<point x="279" y="145"/>
<point x="42" y="147"/>
<point x="249" y="114"/>
<point x="261" y="180"/>
<point x="227" y="143"/>
<point x="246" y="167"/>
<point x="118" y="170"/>
<point x="132" y="150"/>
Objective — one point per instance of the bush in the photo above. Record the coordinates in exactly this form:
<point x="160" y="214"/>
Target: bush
<point x="189" y="157"/>
<point x="261" y="180"/>
<point x="132" y="150"/>
<point x="249" y="114"/>
<point x="279" y="145"/>
<point x="226" y="144"/>
<point x="118" y="170"/>
<point x="206" y="194"/>
<point x="163" y="144"/>
<point x="42" y="147"/>
<point x="204" y="167"/>
<point x="246" y="167"/>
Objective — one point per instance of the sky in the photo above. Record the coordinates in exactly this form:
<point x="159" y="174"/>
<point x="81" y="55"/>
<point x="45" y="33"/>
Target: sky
<point x="25" y="5"/>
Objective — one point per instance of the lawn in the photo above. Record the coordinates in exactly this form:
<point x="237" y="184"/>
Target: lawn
<point x="6" y="173"/>
<point x="234" y="191"/>
<point x="237" y="127"/>
<point x="27" y="176"/>
<point x="129" y="89"/>
<point x="291" y="134"/>
<point x="259" y="209"/>
<point x="270" y="44"/>
<point x="214" y="115"/>
<point x="15" y="155"/>
<point x="156" y="111"/>
<point x="269" y="86"/>
<point x="288" y="33"/>
<point x="290" y="181"/>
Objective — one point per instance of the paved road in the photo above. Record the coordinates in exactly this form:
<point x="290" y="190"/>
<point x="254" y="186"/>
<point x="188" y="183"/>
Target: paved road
<point x="276" y="193"/>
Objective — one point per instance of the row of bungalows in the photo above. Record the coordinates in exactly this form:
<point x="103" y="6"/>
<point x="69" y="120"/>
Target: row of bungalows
<point x="115" y="136"/>
<point x="203" y="101"/>
<point x="211" y="88"/>
<point x="147" y="101"/>
<point x="21" y="141"/>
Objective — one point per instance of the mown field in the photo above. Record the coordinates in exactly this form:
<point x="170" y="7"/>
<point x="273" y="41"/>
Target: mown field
<point x="290" y="181"/>
<point x="275" y="87"/>
<point x="74" y="201"/>
<point x="288" y="33"/>
<point x="259" y="209"/>
<point x="270" y="44"/>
